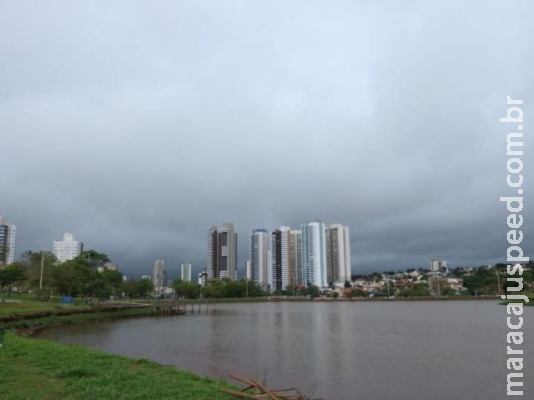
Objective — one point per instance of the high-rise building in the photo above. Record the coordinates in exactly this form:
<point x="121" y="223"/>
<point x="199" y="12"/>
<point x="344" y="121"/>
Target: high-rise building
<point x="186" y="271"/>
<point x="8" y="234"/>
<point x="295" y="258"/>
<point x="314" y="254"/>
<point x="260" y="258"/>
<point x="158" y="276"/>
<point x="438" y="266"/>
<point x="338" y="254"/>
<point x="280" y="258"/>
<point x="68" y="248"/>
<point x="222" y="252"/>
<point x="248" y="270"/>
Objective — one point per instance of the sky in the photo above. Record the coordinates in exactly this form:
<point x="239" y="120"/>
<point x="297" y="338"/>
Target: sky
<point x="139" y="125"/>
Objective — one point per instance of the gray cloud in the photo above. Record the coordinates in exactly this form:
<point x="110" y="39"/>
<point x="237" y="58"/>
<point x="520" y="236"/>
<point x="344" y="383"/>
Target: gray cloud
<point x="137" y="127"/>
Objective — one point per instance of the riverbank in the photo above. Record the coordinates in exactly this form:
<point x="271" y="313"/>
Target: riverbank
<point x="30" y="317"/>
<point x="32" y="369"/>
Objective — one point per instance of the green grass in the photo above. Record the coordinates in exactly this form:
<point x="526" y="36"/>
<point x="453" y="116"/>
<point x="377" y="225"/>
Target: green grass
<point x="54" y="320"/>
<point x="33" y="369"/>
<point x="25" y="306"/>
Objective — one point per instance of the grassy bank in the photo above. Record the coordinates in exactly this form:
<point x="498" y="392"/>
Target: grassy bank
<point x="75" y="318"/>
<point x="12" y="307"/>
<point x="33" y="369"/>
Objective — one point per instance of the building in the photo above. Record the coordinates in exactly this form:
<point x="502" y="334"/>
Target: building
<point x="186" y="271"/>
<point x="67" y="249"/>
<point x="295" y="258"/>
<point x="202" y="278"/>
<point x="280" y="256"/>
<point x="222" y="252"/>
<point x="438" y="266"/>
<point x="158" y="276"/>
<point x="314" y="254"/>
<point x="338" y="254"/>
<point x="248" y="270"/>
<point x="8" y="233"/>
<point x="147" y="277"/>
<point x="260" y="258"/>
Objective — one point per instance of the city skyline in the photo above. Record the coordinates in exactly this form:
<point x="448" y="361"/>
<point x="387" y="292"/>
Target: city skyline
<point x="137" y="128"/>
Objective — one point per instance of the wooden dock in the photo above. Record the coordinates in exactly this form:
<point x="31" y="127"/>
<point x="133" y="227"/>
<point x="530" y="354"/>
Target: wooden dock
<point x="179" y="307"/>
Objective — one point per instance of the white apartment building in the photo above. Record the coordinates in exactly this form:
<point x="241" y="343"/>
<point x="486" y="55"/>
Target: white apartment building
<point x="186" y="271"/>
<point x="338" y="253"/>
<point x="8" y="233"/>
<point x="260" y="258"/>
<point x="314" y="254"/>
<point x="68" y="248"/>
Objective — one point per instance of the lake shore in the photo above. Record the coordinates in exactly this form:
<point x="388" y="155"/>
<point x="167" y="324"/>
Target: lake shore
<point x="32" y="369"/>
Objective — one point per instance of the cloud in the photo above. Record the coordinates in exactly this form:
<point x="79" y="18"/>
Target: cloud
<point x="138" y="128"/>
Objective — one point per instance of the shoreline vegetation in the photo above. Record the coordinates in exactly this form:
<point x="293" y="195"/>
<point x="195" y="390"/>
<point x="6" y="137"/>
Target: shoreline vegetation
<point x="32" y="369"/>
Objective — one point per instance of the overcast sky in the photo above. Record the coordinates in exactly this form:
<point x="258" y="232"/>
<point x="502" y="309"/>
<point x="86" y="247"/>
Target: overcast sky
<point x="138" y="125"/>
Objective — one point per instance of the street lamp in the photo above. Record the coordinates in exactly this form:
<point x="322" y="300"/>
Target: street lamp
<point x="42" y="268"/>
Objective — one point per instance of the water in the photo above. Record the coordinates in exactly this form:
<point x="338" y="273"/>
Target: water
<point x="335" y="350"/>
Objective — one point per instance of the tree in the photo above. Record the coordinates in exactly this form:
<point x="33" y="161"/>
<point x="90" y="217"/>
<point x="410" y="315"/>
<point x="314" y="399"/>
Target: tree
<point x="347" y="285"/>
<point x="419" y="289"/>
<point x="355" y="292"/>
<point x="143" y="287"/>
<point x="12" y="274"/>
<point x="32" y="261"/>
<point x="75" y="277"/>
<point x="105" y="284"/>
<point x="312" y="291"/>
<point x="188" y="290"/>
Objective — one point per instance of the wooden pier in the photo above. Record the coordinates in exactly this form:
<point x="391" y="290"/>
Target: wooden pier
<point x="179" y="307"/>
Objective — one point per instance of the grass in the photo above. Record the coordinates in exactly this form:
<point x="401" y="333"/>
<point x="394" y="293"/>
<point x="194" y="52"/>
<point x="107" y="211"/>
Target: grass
<point x="54" y="320"/>
<point x="25" y="307"/>
<point x="33" y="369"/>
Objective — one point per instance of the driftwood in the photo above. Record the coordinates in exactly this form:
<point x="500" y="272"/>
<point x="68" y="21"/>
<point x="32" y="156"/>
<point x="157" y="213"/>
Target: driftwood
<point x="258" y="391"/>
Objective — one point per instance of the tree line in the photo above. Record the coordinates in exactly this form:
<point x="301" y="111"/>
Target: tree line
<point x="83" y="276"/>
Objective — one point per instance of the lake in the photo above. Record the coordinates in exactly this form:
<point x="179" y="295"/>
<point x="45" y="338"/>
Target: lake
<point x="421" y="350"/>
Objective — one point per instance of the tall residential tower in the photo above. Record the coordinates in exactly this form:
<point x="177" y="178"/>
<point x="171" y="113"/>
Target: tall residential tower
<point x="314" y="254"/>
<point x="338" y="253"/>
<point x="280" y="258"/>
<point x="260" y="258"/>
<point x="222" y="252"/>
<point x="8" y="233"/>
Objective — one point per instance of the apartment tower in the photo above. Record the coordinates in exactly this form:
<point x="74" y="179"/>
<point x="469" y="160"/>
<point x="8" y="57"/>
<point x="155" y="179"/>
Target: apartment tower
<point x="8" y="234"/>
<point x="338" y="254"/>
<point x="295" y="258"/>
<point x="186" y="271"/>
<point x="67" y="249"/>
<point x="222" y="252"/>
<point x="280" y="256"/>
<point x="314" y="254"/>
<point x="260" y="258"/>
<point x="158" y="276"/>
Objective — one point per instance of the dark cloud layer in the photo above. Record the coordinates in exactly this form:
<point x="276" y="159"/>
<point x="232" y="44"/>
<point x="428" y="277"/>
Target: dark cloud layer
<point x="138" y="126"/>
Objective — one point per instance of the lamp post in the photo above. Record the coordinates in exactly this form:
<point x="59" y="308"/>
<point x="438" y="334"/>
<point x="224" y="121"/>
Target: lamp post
<point x="42" y="268"/>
